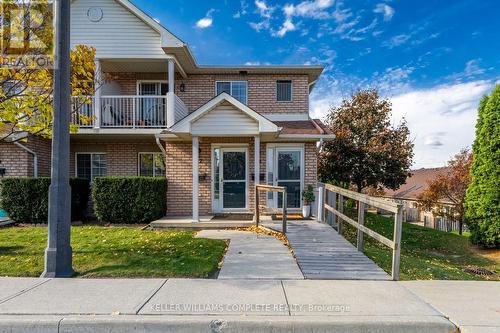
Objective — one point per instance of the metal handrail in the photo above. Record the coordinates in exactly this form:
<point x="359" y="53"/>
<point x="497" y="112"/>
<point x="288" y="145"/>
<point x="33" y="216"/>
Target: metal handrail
<point x="270" y="188"/>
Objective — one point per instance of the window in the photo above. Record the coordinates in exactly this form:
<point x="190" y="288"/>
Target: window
<point x="151" y="165"/>
<point x="91" y="165"/>
<point x="284" y="90"/>
<point x="237" y="89"/>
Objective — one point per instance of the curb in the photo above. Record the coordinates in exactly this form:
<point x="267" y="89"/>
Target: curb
<point x="216" y="324"/>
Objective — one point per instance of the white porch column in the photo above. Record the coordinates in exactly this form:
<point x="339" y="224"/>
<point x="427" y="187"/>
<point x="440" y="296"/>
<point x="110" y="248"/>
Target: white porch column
<point x="195" y="156"/>
<point x="98" y="83"/>
<point x="170" y="93"/>
<point x="257" y="160"/>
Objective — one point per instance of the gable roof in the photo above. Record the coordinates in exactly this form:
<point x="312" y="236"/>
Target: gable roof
<point x="416" y="184"/>
<point x="184" y="125"/>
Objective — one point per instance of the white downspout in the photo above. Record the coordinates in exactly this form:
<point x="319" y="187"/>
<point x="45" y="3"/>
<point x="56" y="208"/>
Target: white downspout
<point x="35" y="157"/>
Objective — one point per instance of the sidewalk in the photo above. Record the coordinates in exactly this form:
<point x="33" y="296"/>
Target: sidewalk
<point x="193" y="305"/>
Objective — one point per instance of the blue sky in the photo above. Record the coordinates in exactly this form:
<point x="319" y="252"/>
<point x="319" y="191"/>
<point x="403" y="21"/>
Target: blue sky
<point x="433" y="59"/>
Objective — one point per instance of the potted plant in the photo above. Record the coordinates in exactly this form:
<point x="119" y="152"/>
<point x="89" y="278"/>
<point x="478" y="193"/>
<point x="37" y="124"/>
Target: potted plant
<point x="308" y="197"/>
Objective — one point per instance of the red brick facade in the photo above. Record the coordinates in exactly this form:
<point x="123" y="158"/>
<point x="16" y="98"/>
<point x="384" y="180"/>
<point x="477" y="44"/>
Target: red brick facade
<point x="17" y="162"/>
<point x="122" y="157"/>
<point x="179" y="172"/>
<point x="201" y="88"/>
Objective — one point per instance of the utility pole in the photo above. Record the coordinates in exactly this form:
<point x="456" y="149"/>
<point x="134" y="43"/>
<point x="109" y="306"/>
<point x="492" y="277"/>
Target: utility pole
<point x="58" y="255"/>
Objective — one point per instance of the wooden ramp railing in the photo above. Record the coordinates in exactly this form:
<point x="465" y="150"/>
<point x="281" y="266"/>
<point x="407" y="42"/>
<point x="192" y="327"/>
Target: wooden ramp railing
<point x="268" y="188"/>
<point x="335" y="205"/>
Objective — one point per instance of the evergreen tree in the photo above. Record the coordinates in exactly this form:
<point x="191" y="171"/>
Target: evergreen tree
<point x="483" y="195"/>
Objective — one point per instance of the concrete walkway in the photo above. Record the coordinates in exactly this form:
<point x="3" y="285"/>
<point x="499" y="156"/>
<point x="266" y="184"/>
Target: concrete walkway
<point x="194" y="305"/>
<point x="323" y="254"/>
<point x="254" y="256"/>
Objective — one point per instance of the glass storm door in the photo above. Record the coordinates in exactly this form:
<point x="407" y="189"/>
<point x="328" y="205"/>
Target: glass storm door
<point x="289" y="174"/>
<point x="233" y="178"/>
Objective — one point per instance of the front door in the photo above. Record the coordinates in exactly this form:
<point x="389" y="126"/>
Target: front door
<point x="233" y="182"/>
<point x="289" y="174"/>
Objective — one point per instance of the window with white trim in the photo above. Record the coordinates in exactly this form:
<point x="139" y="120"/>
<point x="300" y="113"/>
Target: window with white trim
<point x="284" y="90"/>
<point x="91" y="165"/>
<point x="237" y="89"/>
<point x="151" y="165"/>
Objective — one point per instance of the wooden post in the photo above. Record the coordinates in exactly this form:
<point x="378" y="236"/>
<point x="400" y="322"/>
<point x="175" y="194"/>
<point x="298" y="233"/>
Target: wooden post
<point x="332" y="201"/>
<point x="341" y="210"/>
<point x="396" y="252"/>
<point x="361" y="220"/>
<point x="284" y="212"/>
<point x="256" y="215"/>
<point x="321" y="202"/>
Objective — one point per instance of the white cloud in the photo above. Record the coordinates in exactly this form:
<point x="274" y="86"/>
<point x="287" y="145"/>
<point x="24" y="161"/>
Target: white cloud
<point x="243" y="9"/>
<point x="473" y="68"/>
<point x="384" y="9"/>
<point x="441" y="118"/>
<point x="263" y="9"/>
<point x="206" y="21"/>
<point x="396" y="41"/>
<point x="287" y="26"/>
<point x="314" y="9"/>
<point x="263" y="25"/>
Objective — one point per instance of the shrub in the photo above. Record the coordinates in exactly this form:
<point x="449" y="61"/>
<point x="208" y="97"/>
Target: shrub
<point x="129" y="199"/>
<point x="26" y="200"/>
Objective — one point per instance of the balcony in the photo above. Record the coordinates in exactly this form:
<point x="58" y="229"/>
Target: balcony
<point x="127" y="111"/>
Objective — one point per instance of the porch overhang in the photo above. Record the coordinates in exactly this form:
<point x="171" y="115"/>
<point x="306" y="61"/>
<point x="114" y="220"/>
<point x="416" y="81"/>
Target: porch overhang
<point x="222" y="116"/>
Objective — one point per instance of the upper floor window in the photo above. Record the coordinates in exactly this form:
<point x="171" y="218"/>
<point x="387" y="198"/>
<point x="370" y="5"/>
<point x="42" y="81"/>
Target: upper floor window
<point x="237" y="89"/>
<point x="90" y="165"/>
<point x="151" y="165"/>
<point x="284" y="90"/>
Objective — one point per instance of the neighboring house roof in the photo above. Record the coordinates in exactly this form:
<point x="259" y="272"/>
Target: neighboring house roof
<point x="415" y="185"/>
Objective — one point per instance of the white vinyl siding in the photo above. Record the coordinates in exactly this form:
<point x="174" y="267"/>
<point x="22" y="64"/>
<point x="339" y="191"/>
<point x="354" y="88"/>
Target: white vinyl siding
<point x="225" y="119"/>
<point x="119" y="33"/>
<point x="237" y="89"/>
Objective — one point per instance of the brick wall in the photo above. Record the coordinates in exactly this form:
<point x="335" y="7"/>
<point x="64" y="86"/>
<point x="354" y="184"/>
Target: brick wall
<point x="179" y="173"/>
<point x="14" y="160"/>
<point x="121" y="157"/>
<point x="19" y="163"/>
<point x="199" y="89"/>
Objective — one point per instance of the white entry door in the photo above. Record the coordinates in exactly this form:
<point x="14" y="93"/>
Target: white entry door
<point x="230" y="179"/>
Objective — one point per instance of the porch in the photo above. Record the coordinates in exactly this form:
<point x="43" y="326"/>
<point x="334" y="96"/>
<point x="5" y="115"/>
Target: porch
<point x="131" y="94"/>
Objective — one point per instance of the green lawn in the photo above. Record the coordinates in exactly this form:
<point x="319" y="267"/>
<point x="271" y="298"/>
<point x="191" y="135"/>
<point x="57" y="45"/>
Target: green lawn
<point x="426" y="254"/>
<point x="113" y="252"/>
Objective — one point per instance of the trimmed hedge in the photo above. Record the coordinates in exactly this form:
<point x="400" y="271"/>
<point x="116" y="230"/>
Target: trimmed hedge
<point x="26" y="200"/>
<point x="129" y="199"/>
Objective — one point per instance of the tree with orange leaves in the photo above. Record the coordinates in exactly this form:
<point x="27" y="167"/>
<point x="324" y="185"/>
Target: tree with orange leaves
<point x="445" y="194"/>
